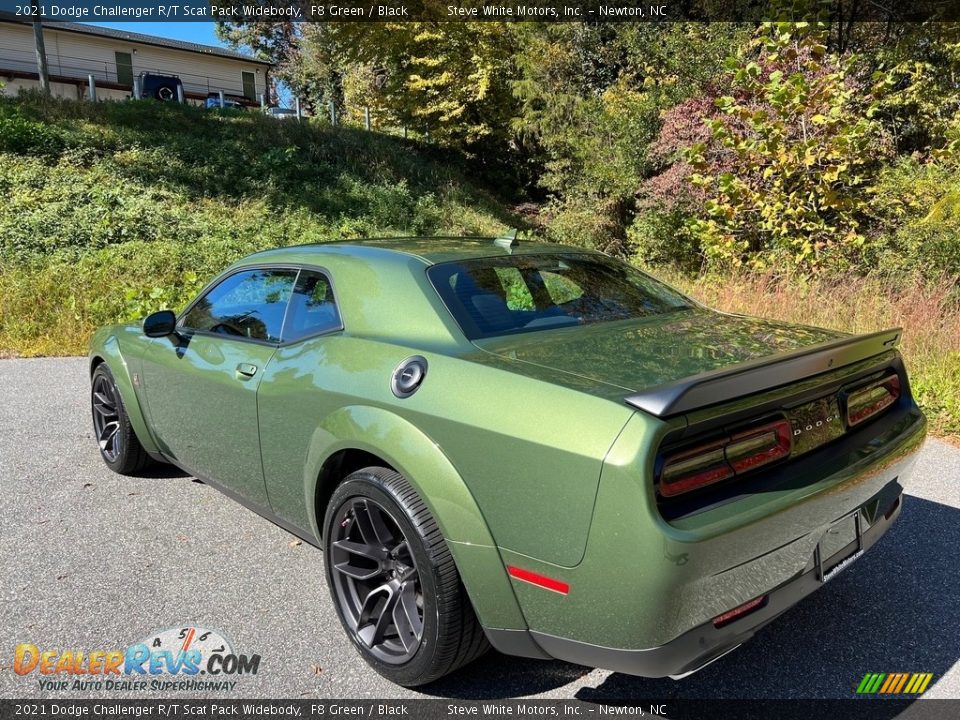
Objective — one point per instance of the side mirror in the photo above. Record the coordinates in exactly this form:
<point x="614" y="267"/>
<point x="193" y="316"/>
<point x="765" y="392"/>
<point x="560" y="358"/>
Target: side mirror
<point x="160" y="324"/>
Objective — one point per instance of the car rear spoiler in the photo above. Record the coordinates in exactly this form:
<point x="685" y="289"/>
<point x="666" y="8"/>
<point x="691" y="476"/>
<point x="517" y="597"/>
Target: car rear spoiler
<point x="754" y="376"/>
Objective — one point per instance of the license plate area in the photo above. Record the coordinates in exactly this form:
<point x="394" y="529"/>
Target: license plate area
<point x="830" y="556"/>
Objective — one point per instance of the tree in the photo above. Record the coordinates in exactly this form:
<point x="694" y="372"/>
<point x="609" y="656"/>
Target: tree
<point x="592" y="99"/>
<point x="278" y="42"/>
<point x="449" y="81"/>
<point x="775" y="163"/>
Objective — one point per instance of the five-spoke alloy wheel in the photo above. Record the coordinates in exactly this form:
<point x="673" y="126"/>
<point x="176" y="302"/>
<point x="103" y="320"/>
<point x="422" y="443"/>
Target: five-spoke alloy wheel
<point x="106" y="418"/>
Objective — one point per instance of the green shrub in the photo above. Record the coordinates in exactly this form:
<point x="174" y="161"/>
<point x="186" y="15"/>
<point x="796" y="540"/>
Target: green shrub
<point x="917" y="206"/>
<point x="113" y="210"/>
<point x="664" y="238"/>
<point x="790" y="158"/>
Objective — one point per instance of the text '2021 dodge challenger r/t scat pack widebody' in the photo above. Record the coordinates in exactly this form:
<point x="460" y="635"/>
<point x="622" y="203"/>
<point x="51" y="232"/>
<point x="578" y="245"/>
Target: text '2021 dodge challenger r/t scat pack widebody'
<point x="523" y="445"/>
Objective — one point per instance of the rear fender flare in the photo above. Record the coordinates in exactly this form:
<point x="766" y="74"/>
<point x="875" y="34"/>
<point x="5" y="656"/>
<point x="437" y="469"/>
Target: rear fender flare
<point x="421" y="461"/>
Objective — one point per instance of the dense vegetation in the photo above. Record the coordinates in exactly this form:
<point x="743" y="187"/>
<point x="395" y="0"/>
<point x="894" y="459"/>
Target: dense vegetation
<point x="114" y="209"/>
<point x="805" y="148"/>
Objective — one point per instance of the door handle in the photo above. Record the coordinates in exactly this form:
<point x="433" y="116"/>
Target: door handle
<point x="245" y="371"/>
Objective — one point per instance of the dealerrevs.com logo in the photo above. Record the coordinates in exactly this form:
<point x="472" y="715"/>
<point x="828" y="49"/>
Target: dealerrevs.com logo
<point x="188" y="658"/>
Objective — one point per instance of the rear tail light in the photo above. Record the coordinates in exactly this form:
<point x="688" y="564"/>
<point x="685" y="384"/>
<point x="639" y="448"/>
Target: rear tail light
<point x="738" y="612"/>
<point x="759" y="446"/>
<point x="872" y="399"/>
<point x="694" y="468"/>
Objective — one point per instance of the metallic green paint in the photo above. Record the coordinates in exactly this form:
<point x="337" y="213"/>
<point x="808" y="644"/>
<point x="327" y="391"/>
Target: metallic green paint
<point x="124" y="362"/>
<point x="635" y="354"/>
<point x="221" y="442"/>
<point x="307" y="400"/>
<point x="644" y="582"/>
<point x="522" y="446"/>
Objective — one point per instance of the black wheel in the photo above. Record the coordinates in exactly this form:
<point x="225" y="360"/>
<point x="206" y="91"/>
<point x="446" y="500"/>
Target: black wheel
<point x="394" y="582"/>
<point x="165" y="93"/>
<point x="119" y="446"/>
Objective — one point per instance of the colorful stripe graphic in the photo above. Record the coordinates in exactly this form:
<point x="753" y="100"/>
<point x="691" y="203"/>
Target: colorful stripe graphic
<point x="893" y="683"/>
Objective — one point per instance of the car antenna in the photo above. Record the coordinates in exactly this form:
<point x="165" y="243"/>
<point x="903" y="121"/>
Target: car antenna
<point x="508" y="240"/>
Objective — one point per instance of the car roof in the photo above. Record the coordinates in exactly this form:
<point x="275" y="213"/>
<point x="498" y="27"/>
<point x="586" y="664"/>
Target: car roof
<point x="431" y="250"/>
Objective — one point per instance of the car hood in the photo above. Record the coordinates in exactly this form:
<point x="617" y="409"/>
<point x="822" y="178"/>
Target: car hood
<point x="637" y="354"/>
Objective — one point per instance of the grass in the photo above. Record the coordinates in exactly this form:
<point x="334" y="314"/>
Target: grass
<point x="112" y="210"/>
<point x="928" y="310"/>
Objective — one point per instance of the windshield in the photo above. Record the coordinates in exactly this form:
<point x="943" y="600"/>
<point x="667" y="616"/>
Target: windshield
<point x="524" y="293"/>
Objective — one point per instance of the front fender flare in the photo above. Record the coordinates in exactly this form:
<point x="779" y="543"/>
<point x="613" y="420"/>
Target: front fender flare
<point x="108" y="350"/>
<point x="421" y="461"/>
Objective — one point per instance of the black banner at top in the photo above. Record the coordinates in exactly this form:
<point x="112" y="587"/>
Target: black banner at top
<point x="594" y="11"/>
<point x="453" y="709"/>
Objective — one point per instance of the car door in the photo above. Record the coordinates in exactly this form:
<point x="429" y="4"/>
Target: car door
<point x="201" y="383"/>
<point x="299" y="391"/>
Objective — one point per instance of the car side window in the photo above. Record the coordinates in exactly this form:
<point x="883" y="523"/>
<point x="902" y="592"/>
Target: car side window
<point x="313" y="309"/>
<point x="250" y="304"/>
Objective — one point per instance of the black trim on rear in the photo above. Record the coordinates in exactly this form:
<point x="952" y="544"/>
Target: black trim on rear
<point x="718" y="386"/>
<point x="798" y="470"/>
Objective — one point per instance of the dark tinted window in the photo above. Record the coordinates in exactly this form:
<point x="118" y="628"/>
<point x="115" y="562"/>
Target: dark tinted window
<point x="521" y="293"/>
<point x="249" y="304"/>
<point x="249" y="85"/>
<point x="124" y="63"/>
<point x="312" y="307"/>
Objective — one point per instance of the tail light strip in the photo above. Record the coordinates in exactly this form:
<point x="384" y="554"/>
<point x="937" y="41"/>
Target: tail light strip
<point x="743" y="452"/>
<point x="708" y="464"/>
<point x="871" y="399"/>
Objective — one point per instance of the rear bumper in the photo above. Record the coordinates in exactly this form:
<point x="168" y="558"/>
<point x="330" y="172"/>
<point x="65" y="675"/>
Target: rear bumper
<point x="702" y="645"/>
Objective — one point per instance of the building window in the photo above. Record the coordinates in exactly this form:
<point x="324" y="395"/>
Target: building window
<point x="249" y="85"/>
<point x="124" y="68"/>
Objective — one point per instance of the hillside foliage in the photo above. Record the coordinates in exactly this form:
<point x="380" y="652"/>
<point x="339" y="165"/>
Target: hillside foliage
<point x="112" y="210"/>
<point x="701" y="145"/>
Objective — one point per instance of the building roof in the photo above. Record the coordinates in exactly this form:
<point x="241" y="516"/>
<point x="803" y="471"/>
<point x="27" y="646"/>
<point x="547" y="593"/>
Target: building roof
<point x="85" y="29"/>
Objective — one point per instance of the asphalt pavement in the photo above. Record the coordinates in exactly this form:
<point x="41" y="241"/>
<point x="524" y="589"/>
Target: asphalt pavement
<point x="90" y="560"/>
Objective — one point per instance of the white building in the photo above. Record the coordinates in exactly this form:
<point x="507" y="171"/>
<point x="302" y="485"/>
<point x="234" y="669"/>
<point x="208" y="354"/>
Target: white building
<point x="116" y="57"/>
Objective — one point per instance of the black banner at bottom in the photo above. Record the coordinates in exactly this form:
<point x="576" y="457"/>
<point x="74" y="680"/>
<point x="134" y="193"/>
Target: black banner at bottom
<point x="858" y="709"/>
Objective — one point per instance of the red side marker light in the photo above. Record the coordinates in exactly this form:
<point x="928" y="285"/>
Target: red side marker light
<point x="538" y="580"/>
<point x="738" y="612"/>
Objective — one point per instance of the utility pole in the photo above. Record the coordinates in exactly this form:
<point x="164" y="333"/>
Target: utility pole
<point x="42" y="71"/>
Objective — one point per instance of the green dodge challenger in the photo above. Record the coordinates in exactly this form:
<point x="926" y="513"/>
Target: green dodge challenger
<point x="523" y="445"/>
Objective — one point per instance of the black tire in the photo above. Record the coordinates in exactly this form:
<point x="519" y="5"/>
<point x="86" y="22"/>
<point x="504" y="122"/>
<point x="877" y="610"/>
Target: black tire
<point x="119" y="446"/>
<point x="450" y="634"/>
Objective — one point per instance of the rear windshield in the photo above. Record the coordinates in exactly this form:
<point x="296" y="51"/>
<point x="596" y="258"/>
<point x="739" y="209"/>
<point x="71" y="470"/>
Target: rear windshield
<point x="524" y="293"/>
